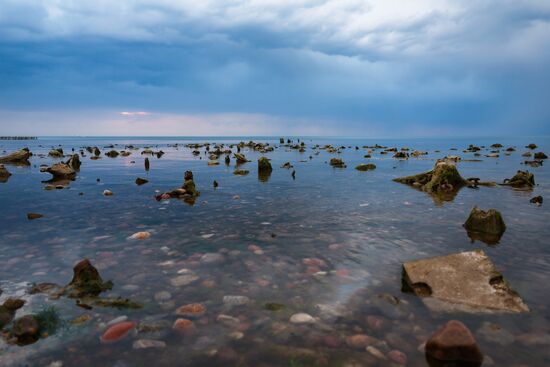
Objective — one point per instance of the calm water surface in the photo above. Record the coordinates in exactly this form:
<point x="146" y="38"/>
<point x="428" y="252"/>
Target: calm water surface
<point x="328" y="243"/>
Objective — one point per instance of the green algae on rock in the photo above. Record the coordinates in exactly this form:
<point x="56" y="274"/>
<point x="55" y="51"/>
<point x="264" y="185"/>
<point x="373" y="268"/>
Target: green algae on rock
<point x="443" y="181"/>
<point x="522" y="179"/>
<point x="189" y="185"/>
<point x="86" y="282"/>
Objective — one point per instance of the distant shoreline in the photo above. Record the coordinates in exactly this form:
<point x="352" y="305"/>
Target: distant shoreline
<point x="18" y="138"/>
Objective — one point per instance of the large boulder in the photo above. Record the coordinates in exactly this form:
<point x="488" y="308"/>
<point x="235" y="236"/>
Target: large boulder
<point x="4" y="174"/>
<point x="189" y="184"/>
<point x="466" y="281"/>
<point x="21" y="156"/>
<point x="60" y="171"/>
<point x="487" y="226"/>
<point x="443" y="178"/>
<point x="86" y="281"/>
<point x="264" y="169"/>
<point x="522" y="179"/>
<point x="453" y="345"/>
<point x="264" y="166"/>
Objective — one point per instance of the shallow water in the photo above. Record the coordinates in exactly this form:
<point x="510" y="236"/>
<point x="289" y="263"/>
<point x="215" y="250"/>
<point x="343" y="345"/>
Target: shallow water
<point x="358" y="227"/>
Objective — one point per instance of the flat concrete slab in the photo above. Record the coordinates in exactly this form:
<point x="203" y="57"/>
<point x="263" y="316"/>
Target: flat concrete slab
<point x="466" y="281"/>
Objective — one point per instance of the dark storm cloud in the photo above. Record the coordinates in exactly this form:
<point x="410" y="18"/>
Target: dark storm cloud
<point x="388" y="67"/>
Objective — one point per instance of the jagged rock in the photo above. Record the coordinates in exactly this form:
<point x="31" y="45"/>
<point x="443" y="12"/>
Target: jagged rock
<point x="86" y="281"/>
<point x="227" y="160"/>
<point x="141" y="181"/>
<point x="215" y="184"/>
<point x="536" y="200"/>
<point x="60" y="171"/>
<point x="21" y="156"/>
<point x="531" y="146"/>
<point x="337" y="162"/>
<point x="97" y="152"/>
<point x="147" y="164"/>
<point x="4" y="174"/>
<point x="189" y="185"/>
<point x="443" y="179"/>
<point x="522" y="179"/>
<point x="74" y="162"/>
<point x="466" y="281"/>
<point x="112" y="154"/>
<point x="487" y="226"/>
<point x="540" y="155"/>
<point x="240" y="158"/>
<point x="365" y="167"/>
<point x="453" y="345"/>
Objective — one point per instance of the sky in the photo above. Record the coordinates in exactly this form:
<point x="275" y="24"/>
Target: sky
<point x="373" y="68"/>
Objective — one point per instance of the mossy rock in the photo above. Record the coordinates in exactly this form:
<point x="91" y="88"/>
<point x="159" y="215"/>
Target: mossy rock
<point x="444" y="177"/>
<point x="264" y="166"/>
<point x="190" y="189"/>
<point x="337" y="162"/>
<point x="240" y="158"/>
<point x="112" y="154"/>
<point x="522" y="179"/>
<point x="365" y="167"/>
<point x="56" y="153"/>
<point x="487" y="226"/>
<point x="74" y="162"/>
<point x="21" y="156"/>
<point x="86" y="281"/>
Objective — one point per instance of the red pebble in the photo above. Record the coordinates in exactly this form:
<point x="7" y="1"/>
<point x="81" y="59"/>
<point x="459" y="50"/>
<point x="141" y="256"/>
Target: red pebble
<point x="117" y="331"/>
<point x="312" y="261"/>
<point x="397" y="357"/>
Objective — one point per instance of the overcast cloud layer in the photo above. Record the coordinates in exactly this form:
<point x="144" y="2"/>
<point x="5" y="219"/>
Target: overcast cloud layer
<point x="345" y="67"/>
